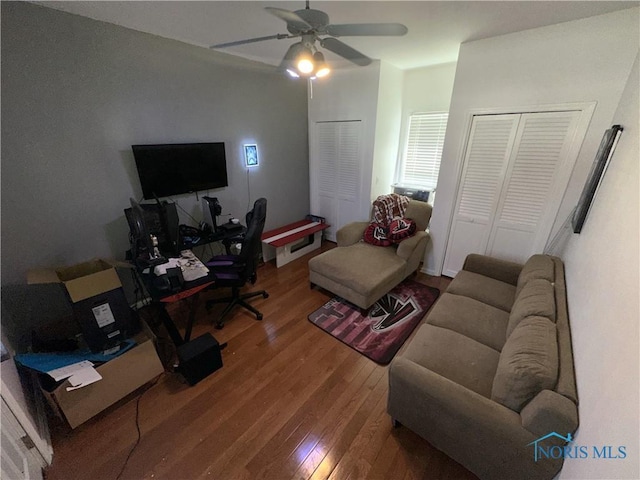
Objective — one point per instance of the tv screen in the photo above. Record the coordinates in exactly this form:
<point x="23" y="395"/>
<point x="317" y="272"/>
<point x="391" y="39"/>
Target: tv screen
<point x="172" y="169"/>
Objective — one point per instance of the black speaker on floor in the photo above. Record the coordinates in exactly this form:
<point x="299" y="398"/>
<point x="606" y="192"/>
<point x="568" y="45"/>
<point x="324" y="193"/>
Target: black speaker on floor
<point x="199" y="358"/>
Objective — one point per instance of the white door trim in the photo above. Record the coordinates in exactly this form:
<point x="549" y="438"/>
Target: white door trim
<point x="586" y="108"/>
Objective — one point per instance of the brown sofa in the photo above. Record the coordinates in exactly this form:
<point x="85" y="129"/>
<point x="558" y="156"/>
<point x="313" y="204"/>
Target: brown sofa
<point x="362" y="273"/>
<point x="490" y="371"/>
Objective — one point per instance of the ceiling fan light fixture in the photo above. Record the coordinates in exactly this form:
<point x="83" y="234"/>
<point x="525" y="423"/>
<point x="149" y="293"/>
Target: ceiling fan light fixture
<point x="304" y="63"/>
<point x="322" y="69"/>
<point x="323" y="72"/>
<point x="302" y="59"/>
<point x="292" y="73"/>
<point x="305" y="66"/>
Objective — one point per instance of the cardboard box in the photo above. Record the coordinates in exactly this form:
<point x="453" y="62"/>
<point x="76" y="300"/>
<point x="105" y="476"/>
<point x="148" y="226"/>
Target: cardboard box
<point x="120" y="377"/>
<point x="97" y="298"/>
<point x="81" y="281"/>
<point x="105" y="319"/>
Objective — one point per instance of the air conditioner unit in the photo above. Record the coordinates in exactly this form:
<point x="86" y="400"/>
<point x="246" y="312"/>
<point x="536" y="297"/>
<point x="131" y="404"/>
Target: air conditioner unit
<point x="424" y="195"/>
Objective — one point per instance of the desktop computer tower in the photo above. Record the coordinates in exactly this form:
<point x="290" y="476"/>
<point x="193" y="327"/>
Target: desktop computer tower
<point x="161" y="220"/>
<point x="199" y="358"/>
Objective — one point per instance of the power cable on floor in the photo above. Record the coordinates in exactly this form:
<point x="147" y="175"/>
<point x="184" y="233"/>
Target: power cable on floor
<point x="124" y="465"/>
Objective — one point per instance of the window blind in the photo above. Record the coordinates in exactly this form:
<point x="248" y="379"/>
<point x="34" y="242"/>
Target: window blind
<point x="423" y="150"/>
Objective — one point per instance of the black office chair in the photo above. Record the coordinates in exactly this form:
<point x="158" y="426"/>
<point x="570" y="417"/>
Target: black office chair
<point x="235" y="271"/>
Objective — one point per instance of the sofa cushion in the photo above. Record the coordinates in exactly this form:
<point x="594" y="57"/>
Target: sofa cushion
<point x="476" y="320"/>
<point x="377" y="234"/>
<point x="538" y="266"/>
<point x="484" y="289"/>
<point x="528" y="363"/>
<point x="362" y="267"/>
<point x="535" y="299"/>
<point x="454" y="356"/>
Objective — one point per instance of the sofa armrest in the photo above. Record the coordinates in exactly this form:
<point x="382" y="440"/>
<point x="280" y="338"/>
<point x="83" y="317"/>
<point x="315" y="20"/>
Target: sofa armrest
<point x="495" y="268"/>
<point x="484" y="436"/>
<point x="407" y="246"/>
<point x="467" y="406"/>
<point x="550" y="412"/>
<point x="351" y="233"/>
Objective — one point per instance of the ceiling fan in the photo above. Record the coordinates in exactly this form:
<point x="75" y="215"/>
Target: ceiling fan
<point x="303" y="58"/>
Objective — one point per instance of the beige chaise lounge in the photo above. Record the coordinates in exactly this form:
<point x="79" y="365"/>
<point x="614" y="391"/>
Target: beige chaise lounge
<point x="362" y="273"/>
<point x="488" y="377"/>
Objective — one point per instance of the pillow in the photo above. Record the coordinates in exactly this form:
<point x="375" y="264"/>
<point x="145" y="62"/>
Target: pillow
<point x="401" y="228"/>
<point x="538" y="266"/>
<point x="376" y="234"/>
<point x="535" y="299"/>
<point x="528" y="363"/>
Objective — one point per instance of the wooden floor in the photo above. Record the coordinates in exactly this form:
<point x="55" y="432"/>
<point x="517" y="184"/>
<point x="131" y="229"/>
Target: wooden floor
<point x="290" y="402"/>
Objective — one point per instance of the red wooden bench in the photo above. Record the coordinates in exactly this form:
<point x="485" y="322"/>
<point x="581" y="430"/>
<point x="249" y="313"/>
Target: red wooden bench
<point x="292" y="241"/>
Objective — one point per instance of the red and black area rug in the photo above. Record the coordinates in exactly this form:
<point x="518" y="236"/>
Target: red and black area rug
<point x="389" y="322"/>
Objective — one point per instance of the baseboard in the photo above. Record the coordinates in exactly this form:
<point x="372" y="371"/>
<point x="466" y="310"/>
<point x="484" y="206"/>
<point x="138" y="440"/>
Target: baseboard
<point x="430" y="271"/>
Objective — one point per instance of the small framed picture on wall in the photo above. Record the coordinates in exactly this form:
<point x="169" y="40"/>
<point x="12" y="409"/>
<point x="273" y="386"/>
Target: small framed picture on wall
<point x="251" y="155"/>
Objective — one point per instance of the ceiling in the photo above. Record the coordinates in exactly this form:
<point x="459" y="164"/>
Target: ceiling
<point x="436" y="29"/>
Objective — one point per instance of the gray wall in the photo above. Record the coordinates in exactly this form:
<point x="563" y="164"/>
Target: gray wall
<point x="77" y="93"/>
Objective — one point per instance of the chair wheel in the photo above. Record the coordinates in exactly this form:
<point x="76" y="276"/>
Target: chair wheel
<point x="265" y="295"/>
<point x="219" y="325"/>
<point x="259" y="317"/>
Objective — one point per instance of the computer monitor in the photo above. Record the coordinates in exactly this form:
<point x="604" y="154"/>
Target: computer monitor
<point x="159" y="219"/>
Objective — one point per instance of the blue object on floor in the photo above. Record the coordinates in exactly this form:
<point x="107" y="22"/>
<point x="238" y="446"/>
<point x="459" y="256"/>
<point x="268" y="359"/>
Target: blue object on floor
<point x="45" y="362"/>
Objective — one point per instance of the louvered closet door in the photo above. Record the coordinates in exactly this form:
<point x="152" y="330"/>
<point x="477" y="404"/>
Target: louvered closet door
<point x="516" y="170"/>
<point x="533" y="186"/>
<point x="489" y="147"/>
<point x="19" y="458"/>
<point x="324" y="201"/>
<point x="338" y="173"/>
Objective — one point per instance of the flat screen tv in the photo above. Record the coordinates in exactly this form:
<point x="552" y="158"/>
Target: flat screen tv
<point x="173" y="169"/>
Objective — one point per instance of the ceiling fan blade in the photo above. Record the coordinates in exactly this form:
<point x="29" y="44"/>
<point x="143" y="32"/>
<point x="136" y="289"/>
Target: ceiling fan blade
<point x="292" y="18"/>
<point x="250" y="40"/>
<point x="344" y="50"/>
<point x="367" y="29"/>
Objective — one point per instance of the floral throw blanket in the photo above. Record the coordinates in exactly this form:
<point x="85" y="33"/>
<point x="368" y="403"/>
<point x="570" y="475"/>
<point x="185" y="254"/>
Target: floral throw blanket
<point x="389" y="225"/>
<point x="387" y="208"/>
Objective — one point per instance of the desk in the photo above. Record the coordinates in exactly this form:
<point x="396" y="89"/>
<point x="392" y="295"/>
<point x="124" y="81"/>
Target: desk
<point x="227" y="237"/>
<point x="189" y="290"/>
<point x="198" y="357"/>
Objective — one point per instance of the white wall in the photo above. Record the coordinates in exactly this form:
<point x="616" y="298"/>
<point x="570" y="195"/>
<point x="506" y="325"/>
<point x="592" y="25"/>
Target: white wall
<point x="77" y="93"/>
<point x="428" y="89"/>
<point x="582" y="61"/>
<point x="602" y="270"/>
<point x="387" y="135"/>
<point x="349" y="94"/>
